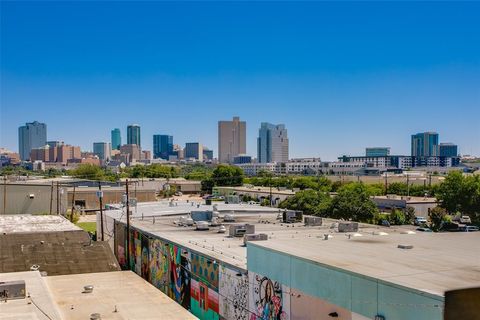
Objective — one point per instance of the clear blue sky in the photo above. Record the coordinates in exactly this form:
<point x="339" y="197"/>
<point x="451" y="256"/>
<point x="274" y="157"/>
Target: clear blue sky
<point x="341" y="76"/>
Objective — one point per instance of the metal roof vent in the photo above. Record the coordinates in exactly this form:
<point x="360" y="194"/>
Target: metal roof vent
<point x="35" y="267"/>
<point x="403" y="246"/>
<point x="88" y="289"/>
<point x="222" y="229"/>
<point x="95" y="316"/>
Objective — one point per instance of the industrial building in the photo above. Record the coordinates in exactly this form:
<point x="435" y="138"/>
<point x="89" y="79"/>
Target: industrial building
<point x="251" y="262"/>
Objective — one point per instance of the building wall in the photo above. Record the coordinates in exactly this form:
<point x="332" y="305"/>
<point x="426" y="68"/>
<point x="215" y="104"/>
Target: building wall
<point x="350" y="295"/>
<point x="88" y="198"/>
<point x="18" y="199"/>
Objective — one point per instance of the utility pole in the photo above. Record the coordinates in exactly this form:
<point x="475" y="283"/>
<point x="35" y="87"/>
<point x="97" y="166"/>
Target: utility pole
<point x="58" y="200"/>
<point x="128" y="226"/>
<point x="4" y="194"/>
<point x="73" y="204"/>
<point x="51" y="198"/>
<point x="100" y="198"/>
<point x="386" y="183"/>
<point x="408" y="185"/>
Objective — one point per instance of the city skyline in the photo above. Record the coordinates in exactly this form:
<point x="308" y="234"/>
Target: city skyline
<point x="348" y="85"/>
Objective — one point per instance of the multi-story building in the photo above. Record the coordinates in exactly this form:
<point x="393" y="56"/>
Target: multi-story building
<point x="116" y="139"/>
<point x="162" y="146"/>
<point x="272" y="143"/>
<point x="448" y="150"/>
<point x="146" y="155"/>
<point x="31" y="135"/>
<point x="305" y="166"/>
<point x="130" y="152"/>
<point x="207" y="154"/>
<point x="133" y="134"/>
<point x="377" y="151"/>
<point x="232" y="139"/>
<point x="425" y="144"/>
<point x="102" y="150"/>
<point x="242" y="158"/>
<point x="60" y="153"/>
<point x="194" y="150"/>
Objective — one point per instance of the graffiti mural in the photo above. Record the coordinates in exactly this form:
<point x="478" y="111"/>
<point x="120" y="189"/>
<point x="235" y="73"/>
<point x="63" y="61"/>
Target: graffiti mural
<point x="233" y="292"/>
<point x="269" y="299"/>
<point x="204" y="290"/>
<point x="180" y="280"/>
<point x="145" y="270"/>
<point x="158" y="265"/>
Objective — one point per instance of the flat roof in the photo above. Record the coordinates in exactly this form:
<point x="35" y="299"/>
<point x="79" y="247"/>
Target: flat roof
<point x="32" y="223"/>
<point x="42" y="305"/>
<point x="220" y="246"/>
<point x="437" y="263"/>
<point x="123" y="291"/>
<point x="258" y="189"/>
<point x="408" y="199"/>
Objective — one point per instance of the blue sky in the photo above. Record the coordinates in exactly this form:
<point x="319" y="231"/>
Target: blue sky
<point x="341" y="76"/>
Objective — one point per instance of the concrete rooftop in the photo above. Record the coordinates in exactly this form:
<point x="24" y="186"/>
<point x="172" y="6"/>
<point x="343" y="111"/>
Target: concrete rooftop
<point x="28" y="224"/>
<point x="62" y="297"/>
<point x="437" y="263"/>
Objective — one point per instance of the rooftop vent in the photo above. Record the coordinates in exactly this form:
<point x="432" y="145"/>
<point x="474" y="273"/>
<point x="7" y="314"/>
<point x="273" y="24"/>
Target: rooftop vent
<point x="404" y="246"/>
<point x="35" y="267"/>
<point x="291" y="216"/>
<point x="347" y="226"/>
<point x="222" y="229"/>
<point x="254" y="237"/>
<point x="88" y="289"/>
<point x="95" y="316"/>
<point x="229" y="218"/>
<point x="241" y="229"/>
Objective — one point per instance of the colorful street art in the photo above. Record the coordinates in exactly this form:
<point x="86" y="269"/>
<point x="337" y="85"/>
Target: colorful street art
<point x="233" y="292"/>
<point x="180" y="279"/>
<point x="269" y="299"/>
<point x="204" y="290"/>
<point x="158" y="265"/>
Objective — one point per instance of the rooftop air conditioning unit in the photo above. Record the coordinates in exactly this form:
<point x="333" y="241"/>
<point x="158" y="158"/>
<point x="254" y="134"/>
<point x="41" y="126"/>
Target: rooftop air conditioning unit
<point x="254" y="237"/>
<point x="11" y="290"/>
<point x="229" y="218"/>
<point x="291" y="216"/>
<point x="202" y="225"/>
<point x="313" y="221"/>
<point x="347" y="226"/>
<point x="186" y="221"/>
<point x="241" y="229"/>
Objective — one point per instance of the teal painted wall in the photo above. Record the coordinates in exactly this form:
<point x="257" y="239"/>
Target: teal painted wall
<point x="360" y="294"/>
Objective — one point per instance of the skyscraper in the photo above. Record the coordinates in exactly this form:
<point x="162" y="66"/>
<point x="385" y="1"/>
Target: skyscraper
<point x="272" y="143"/>
<point x="116" y="139"/>
<point x="194" y="150"/>
<point x="231" y="139"/>
<point x="102" y="150"/>
<point x="133" y="134"/>
<point x="377" y="151"/>
<point x="162" y="146"/>
<point x="31" y="135"/>
<point x="425" y="144"/>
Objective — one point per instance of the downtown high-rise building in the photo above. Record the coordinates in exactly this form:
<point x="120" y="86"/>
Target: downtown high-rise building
<point x="116" y="139"/>
<point x="193" y="150"/>
<point x="232" y="139"/>
<point x="133" y="134"/>
<point x="162" y="146"/>
<point x="272" y="143"/>
<point x="448" y="150"/>
<point x="30" y="136"/>
<point x="102" y="150"/>
<point x="425" y="144"/>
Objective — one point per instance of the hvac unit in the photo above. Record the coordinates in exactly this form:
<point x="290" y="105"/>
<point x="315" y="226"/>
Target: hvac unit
<point x="202" y="225"/>
<point x="229" y="218"/>
<point x="254" y="237"/>
<point x="291" y="216"/>
<point x="11" y="290"/>
<point x="313" y="221"/>
<point x="347" y="226"/>
<point x="240" y="230"/>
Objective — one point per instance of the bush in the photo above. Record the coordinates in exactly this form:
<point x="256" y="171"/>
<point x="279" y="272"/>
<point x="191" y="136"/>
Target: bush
<point x="76" y="216"/>
<point x="397" y="217"/>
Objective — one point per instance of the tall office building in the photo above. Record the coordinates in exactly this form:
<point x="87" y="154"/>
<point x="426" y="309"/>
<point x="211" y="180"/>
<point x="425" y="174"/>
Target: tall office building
<point x="272" y="143"/>
<point x="377" y="152"/>
<point x="133" y="134"/>
<point x="194" y="150"/>
<point x="102" y="150"/>
<point x="448" y="150"/>
<point x="31" y="135"/>
<point x="116" y="139"/>
<point x="425" y="144"/>
<point x="162" y="146"/>
<point x="232" y="137"/>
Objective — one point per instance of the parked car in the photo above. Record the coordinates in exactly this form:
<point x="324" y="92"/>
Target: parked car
<point x="420" y="221"/>
<point x="470" y="228"/>
<point x="465" y="220"/>
<point x="424" y="229"/>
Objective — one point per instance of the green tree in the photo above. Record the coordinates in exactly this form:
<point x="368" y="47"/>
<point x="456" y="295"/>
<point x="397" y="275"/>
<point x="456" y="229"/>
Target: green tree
<point x="226" y="175"/>
<point x="397" y="217"/>
<point x="409" y="215"/>
<point x="353" y="203"/>
<point x="460" y="193"/>
<point x="437" y="216"/>
<point x="88" y="171"/>
<point x="207" y="185"/>
<point x="309" y="201"/>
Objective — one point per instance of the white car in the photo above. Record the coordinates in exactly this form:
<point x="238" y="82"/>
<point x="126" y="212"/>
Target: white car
<point x="419" y="221"/>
